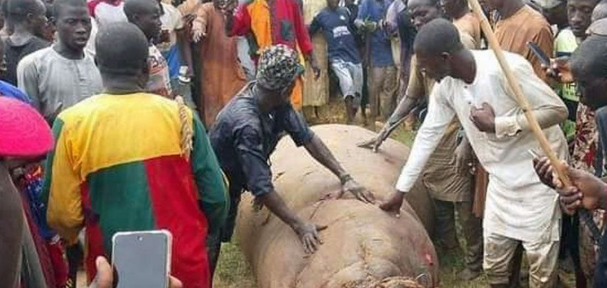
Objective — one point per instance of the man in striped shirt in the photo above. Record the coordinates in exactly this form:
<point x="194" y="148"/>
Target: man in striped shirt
<point x="127" y="161"/>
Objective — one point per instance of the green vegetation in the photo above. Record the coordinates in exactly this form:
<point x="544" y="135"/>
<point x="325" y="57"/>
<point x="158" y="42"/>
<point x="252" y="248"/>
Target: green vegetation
<point x="234" y="271"/>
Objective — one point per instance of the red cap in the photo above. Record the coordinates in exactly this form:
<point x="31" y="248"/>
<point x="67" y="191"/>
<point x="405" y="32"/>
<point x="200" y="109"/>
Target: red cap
<point x="23" y="131"/>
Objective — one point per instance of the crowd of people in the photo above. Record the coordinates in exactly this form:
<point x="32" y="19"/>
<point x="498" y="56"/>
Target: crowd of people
<point x="128" y="115"/>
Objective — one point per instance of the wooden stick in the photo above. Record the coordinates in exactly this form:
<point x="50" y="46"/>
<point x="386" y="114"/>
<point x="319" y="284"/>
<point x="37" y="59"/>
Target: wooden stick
<point x="524" y="105"/>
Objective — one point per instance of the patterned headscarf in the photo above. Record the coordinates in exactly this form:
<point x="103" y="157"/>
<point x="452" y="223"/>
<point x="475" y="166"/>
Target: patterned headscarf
<point x="278" y="67"/>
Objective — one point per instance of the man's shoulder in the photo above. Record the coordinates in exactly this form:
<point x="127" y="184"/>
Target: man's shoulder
<point x="79" y="111"/>
<point x="467" y="23"/>
<point x="37" y="57"/>
<point x="103" y="103"/>
<point x="516" y="61"/>
<point x="320" y="14"/>
<point x="241" y="112"/>
<point x="536" y="21"/>
<point x="487" y="60"/>
<point x="40" y="42"/>
<point x="327" y="12"/>
<point x="526" y="19"/>
<point x="157" y="103"/>
<point x="35" y="44"/>
<point x="241" y="105"/>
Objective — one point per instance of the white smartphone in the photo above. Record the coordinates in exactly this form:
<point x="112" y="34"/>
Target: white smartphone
<point x="142" y="259"/>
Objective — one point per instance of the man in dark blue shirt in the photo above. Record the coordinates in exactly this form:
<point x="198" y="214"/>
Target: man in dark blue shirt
<point x="335" y="23"/>
<point x="246" y="132"/>
<point x="381" y="68"/>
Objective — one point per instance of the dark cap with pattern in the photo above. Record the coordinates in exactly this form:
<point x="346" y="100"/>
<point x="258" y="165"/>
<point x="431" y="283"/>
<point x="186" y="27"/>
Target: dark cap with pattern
<point x="278" y="67"/>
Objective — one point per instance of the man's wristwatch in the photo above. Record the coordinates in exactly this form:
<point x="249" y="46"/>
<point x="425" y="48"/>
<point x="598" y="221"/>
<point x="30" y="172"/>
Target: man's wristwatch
<point x="345" y="178"/>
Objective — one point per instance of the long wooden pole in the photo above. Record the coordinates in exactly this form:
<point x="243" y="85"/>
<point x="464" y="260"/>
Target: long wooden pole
<point x="524" y="104"/>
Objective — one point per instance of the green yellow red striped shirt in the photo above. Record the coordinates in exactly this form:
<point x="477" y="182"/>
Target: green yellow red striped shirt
<point x="118" y="166"/>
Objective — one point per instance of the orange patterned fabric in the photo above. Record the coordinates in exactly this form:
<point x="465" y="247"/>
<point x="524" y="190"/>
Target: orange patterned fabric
<point x="222" y="76"/>
<point x="526" y="25"/>
<point x="261" y="26"/>
<point x="257" y="16"/>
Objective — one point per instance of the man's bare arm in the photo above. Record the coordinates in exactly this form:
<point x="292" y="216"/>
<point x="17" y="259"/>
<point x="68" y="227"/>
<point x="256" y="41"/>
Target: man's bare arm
<point x="307" y="232"/>
<point x="402" y="110"/>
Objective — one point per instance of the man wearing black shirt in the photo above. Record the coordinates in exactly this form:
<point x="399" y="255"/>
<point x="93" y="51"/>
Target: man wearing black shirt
<point x="246" y="133"/>
<point x="28" y="19"/>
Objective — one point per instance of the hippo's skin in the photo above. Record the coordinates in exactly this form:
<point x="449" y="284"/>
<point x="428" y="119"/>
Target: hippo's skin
<point x="363" y="245"/>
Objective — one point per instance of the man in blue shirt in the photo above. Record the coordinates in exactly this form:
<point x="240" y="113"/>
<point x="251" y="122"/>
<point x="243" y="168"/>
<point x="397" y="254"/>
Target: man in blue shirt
<point x="246" y="133"/>
<point x="335" y="22"/>
<point x="382" y="70"/>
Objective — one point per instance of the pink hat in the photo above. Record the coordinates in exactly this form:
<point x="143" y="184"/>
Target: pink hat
<point x="23" y="131"/>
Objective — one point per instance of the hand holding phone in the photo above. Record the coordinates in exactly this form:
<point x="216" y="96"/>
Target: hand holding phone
<point x="142" y="259"/>
<point x="560" y="70"/>
<point x="105" y="276"/>
<point x="557" y="69"/>
<point x="539" y="53"/>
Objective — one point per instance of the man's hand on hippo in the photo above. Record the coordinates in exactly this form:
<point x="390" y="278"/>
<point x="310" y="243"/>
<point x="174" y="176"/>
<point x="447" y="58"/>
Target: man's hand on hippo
<point x="393" y="203"/>
<point x="308" y="234"/>
<point x="374" y="143"/>
<point x="360" y="192"/>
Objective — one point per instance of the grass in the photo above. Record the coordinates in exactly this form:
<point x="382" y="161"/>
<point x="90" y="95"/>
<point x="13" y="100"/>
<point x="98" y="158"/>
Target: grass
<point x="233" y="271"/>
